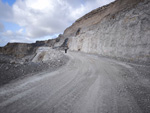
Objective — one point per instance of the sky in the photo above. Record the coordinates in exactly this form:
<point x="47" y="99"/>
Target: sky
<point x="31" y="20"/>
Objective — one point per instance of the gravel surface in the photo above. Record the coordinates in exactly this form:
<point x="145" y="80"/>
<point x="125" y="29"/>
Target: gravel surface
<point x="11" y="68"/>
<point x="139" y="88"/>
<point x="86" y="84"/>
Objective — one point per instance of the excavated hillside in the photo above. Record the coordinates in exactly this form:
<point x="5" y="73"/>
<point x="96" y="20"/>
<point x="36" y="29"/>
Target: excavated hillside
<point x="95" y="16"/>
<point x="20" y="50"/>
<point x="119" y="30"/>
<point x="20" y="60"/>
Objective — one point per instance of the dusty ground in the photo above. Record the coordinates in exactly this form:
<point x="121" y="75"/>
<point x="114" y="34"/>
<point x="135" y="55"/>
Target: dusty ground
<point x="12" y="68"/>
<point x="86" y="84"/>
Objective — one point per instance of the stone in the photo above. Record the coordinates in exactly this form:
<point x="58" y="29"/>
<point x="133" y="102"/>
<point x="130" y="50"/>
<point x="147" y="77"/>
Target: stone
<point x="6" y="68"/>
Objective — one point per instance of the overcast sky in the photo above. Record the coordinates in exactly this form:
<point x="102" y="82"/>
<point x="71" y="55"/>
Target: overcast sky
<point x="31" y="20"/>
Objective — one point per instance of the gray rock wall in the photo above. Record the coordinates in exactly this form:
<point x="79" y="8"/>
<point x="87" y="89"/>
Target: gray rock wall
<point x="125" y="35"/>
<point x="21" y="50"/>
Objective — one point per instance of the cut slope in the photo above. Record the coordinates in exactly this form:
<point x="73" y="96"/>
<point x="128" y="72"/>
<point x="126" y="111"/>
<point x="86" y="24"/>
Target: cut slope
<point x="98" y="14"/>
<point x="119" y="30"/>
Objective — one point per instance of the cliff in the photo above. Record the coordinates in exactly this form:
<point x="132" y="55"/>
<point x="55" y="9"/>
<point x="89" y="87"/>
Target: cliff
<point x="119" y="30"/>
<point x="95" y="16"/>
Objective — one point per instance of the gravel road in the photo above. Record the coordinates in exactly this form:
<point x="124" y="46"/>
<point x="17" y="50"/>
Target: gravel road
<point x="86" y="84"/>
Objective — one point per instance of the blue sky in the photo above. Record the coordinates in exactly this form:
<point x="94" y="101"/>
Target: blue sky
<point x="10" y="25"/>
<point x="10" y="2"/>
<point x="31" y="20"/>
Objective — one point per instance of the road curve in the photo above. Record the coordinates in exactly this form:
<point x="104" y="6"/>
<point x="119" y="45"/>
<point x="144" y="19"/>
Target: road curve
<point x="86" y="84"/>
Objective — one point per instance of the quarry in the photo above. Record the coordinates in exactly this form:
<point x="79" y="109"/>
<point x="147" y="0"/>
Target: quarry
<point x="105" y="70"/>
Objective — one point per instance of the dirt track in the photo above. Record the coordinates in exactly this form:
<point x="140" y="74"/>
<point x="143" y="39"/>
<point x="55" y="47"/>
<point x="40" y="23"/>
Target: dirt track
<point x="86" y="84"/>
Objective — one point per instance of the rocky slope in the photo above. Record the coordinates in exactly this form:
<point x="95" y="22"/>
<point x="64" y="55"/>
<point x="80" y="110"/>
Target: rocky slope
<point x="45" y="59"/>
<point x="118" y="30"/>
<point x="20" y="50"/>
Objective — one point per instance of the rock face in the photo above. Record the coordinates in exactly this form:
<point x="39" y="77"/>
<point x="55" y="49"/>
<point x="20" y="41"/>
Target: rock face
<point x="120" y="30"/>
<point x="18" y="50"/>
<point x="21" y="50"/>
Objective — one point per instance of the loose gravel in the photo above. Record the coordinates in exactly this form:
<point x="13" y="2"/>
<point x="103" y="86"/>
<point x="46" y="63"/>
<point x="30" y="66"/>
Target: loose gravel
<point x="12" y="69"/>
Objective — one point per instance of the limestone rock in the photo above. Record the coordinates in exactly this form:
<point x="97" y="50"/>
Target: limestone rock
<point x="118" y="30"/>
<point x="47" y="54"/>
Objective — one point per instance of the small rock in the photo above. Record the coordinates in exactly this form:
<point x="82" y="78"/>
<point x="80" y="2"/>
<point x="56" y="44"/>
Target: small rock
<point x="12" y="62"/>
<point x="21" y="63"/>
<point x="16" y="65"/>
<point x="6" y="68"/>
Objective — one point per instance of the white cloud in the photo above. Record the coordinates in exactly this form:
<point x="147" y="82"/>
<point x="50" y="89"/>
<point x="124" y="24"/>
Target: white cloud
<point x="20" y="31"/>
<point x="48" y="19"/>
<point x="5" y="12"/>
<point x="18" y="36"/>
<point x="39" y="4"/>
<point x="45" y="18"/>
